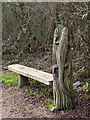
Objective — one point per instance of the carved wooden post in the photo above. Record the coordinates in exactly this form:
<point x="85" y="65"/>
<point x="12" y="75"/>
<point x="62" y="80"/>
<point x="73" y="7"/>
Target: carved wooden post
<point x="62" y="69"/>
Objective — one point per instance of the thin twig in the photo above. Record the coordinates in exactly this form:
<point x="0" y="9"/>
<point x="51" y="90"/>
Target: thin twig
<point x="47" y="13"/>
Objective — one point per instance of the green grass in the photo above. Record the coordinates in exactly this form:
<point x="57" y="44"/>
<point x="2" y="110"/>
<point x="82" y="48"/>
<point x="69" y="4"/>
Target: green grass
<point x="85" y="87"/>
<point x="35" y="63"/>
<point x="31" y="91"/>
<point x="49" y="103"/>
<point x="38" y="95"/>
<point x="35" y="81"/>
<point x="39" y="90"/>
<point x="39" y="67"/>
<point x="9" y="79"/>
<point x="29" y="63"/>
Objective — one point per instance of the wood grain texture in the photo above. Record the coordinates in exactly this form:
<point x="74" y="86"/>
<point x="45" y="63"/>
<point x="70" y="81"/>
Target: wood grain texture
<point x="62" y="69"/>
<point x="38" y="75"/>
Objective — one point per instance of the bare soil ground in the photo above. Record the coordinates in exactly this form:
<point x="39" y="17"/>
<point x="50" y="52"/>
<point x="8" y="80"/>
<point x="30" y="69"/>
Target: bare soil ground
<point x="16" y="103"/>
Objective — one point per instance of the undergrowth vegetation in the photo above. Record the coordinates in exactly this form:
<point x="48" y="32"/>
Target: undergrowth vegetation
<point x="37" y="89"/>
<point x="40" y="90"/>
<point x="85" y="88"/>
<point x="9" y="79"/>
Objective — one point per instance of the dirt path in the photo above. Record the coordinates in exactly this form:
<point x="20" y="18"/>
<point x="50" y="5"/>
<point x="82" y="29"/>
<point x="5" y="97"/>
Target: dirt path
<point x="16" y="104"/>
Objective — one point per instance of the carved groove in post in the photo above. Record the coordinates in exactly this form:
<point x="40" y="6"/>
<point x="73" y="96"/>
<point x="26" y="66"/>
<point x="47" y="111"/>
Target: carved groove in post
<point x="62" y="69"/>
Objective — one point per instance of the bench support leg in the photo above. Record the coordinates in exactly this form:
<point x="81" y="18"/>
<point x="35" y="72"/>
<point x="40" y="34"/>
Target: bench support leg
<point x="23" y="81"/>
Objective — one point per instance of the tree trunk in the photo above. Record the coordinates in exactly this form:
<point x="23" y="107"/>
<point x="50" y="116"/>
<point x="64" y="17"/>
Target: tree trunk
<point x="62" y="69"/>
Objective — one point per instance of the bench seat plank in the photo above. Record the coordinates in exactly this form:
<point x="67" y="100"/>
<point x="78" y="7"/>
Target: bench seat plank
<point x="38" y="75"/>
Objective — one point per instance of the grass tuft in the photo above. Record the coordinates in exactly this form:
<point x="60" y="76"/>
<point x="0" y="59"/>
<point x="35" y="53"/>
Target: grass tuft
<point x="9" y="79"/>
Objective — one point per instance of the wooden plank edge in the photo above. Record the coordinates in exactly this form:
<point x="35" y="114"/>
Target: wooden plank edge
<point x="32" y="77"/>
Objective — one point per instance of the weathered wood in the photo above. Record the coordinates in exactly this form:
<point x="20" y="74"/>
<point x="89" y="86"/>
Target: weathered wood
<point x="23" y="81"/>
<point x="62" y="69"/>
<point x="38" y="75"/>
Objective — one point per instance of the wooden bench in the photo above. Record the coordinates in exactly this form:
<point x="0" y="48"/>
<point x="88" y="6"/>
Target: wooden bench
<point x="27" y="72"/>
